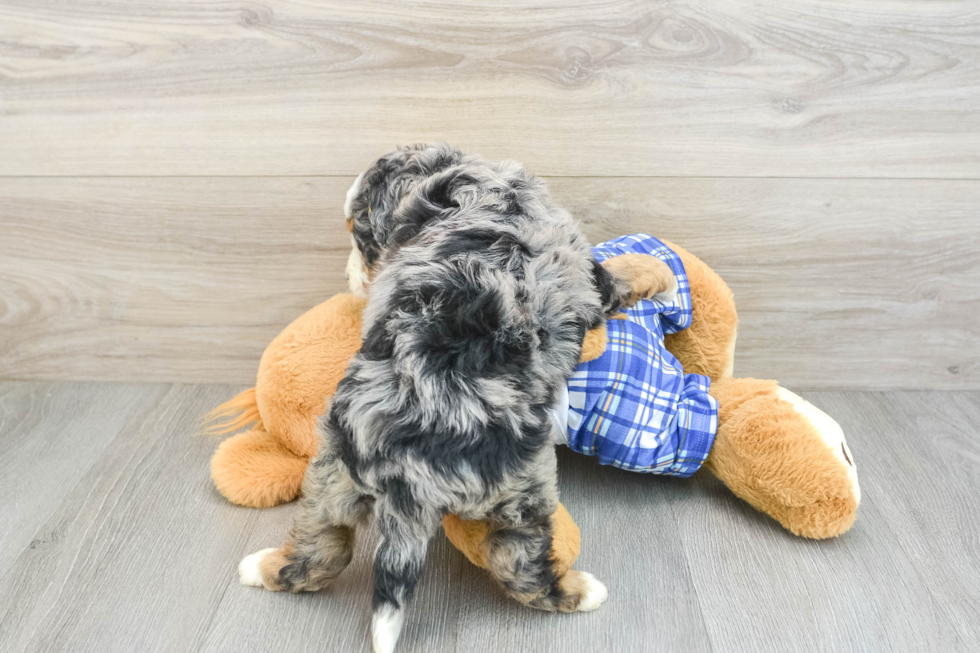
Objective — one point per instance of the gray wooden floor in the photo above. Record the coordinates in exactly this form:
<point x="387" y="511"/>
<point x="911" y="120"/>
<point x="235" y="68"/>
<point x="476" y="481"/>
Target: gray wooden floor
<point x="113" y="539"/>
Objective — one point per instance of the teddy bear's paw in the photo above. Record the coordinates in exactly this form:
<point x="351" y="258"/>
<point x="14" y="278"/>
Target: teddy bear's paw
<point x="829" y="431"/>
<point x="250" y="569"/>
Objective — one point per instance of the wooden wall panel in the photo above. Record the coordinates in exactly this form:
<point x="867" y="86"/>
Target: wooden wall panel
<point x="840" y="283"/>
<point x="870" y="88"/>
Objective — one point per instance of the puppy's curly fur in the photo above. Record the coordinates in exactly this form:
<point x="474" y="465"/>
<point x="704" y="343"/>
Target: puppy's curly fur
<point x="481" y="291"/>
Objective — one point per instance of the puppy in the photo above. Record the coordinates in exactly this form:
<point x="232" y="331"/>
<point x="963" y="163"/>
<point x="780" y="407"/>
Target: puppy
<point x="481" y="291"/>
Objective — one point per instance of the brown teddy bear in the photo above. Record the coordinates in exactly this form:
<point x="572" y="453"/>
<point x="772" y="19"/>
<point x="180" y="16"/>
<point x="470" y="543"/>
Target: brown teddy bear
<point x="769" y="446"/>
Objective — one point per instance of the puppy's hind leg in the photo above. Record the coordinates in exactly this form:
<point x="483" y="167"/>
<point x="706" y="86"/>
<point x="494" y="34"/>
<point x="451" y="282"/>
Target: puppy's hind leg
<point x="519" y="557"/>
<point x="404" y="530"/>
<point x="321" y="541"/>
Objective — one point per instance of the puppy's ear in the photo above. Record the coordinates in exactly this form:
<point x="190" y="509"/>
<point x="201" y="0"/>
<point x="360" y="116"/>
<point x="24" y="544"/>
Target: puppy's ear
<point x="357" y="210"/>
<point x="374" y="198"/>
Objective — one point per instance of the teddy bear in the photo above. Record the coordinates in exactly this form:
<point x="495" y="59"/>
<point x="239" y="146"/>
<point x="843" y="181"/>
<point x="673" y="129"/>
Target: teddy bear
<point x="772" y="448"/>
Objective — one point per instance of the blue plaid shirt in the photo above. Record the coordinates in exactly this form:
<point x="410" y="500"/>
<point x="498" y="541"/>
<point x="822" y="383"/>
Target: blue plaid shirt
<point x="633" y="407"/>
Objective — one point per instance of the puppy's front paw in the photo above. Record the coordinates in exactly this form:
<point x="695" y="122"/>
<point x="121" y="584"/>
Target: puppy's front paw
<point x="647" y="276"/>
<point x="594" y="593"/>
<point x="583" y="592"/>
<point x="250" y="568"/>
<point x="667" y="295"/>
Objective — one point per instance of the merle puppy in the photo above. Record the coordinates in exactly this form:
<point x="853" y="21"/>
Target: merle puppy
<point x="481" y="291"/>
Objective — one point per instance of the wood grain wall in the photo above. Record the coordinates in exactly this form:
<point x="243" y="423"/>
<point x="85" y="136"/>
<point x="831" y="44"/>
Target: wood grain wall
<point x="822" y="88"/>
<point x="840" y="283"/>
<point x="172" y="172"/>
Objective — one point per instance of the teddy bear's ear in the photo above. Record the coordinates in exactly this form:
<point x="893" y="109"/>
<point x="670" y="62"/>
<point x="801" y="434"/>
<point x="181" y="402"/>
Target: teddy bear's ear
<point x="594" y="344"/>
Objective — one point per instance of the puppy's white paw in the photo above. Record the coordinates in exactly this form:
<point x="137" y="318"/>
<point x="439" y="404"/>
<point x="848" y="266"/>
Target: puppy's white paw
<point x="386" y="625"/>
<point x="249" y="572"/>
<point x="669" y="295"/>
<point x="594" y="594"/>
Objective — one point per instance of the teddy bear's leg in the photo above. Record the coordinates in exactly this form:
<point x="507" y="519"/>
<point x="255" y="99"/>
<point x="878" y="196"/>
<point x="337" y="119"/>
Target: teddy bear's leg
<point x="321" y="541"/>
<point x="708" y="346"/>
<point x="784" y="456"/>
<point x="256" y="470"/>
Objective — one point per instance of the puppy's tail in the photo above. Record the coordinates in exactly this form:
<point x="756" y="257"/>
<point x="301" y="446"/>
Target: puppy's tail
<point x="238" y="412"/>
<point x="403" y="536"/>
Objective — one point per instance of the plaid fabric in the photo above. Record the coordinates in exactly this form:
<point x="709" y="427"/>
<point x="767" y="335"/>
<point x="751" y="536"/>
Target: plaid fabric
<point x="634" y="407"/>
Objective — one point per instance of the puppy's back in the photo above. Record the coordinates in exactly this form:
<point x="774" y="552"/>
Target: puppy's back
<point x="472" y="328"/>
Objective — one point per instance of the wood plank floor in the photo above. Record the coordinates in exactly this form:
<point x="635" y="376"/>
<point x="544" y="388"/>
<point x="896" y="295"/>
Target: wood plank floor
<point x="113" y="539"/>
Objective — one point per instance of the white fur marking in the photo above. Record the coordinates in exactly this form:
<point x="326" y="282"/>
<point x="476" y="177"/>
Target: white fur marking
<point x="249" y="572"/>
<point x="352" y="192"/>
<point x="357" y="277"/>
<point x="559" y="418"/>
<point x="829" y="430"/>
<point x="595" y="593"/>
<point x="386" y="626"/>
